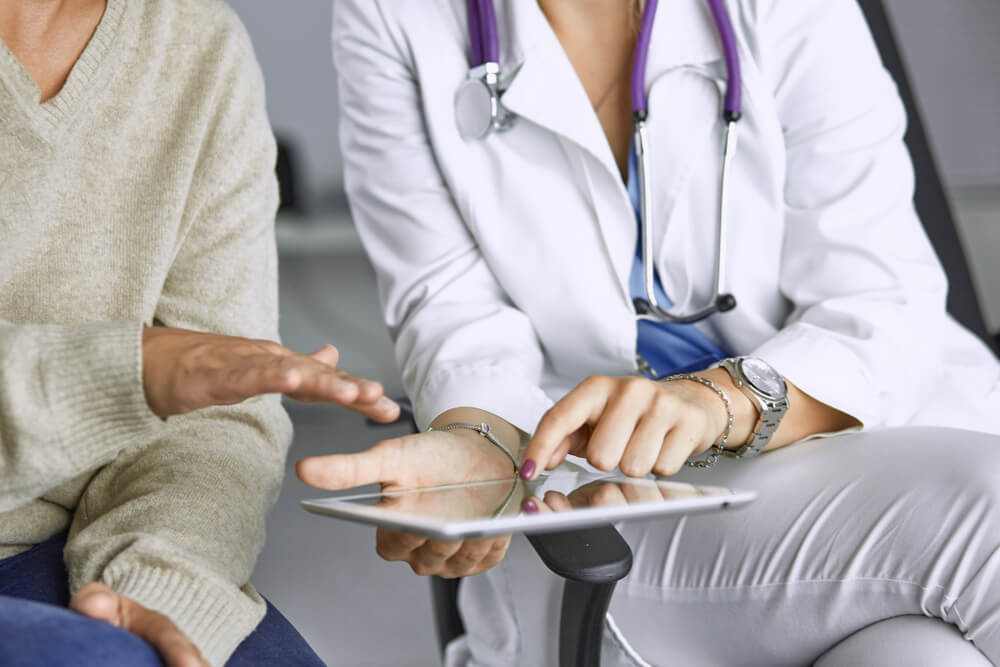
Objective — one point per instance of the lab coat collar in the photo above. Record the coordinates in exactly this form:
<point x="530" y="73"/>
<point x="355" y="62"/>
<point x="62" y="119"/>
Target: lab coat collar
<point x="545" y="89"/>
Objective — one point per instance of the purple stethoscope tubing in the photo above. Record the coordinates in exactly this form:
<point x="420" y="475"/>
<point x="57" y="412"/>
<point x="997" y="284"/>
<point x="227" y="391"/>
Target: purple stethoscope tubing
<point x="485" y="47"/>
<point x="733" y="105"/>
<point x="484" y="40"/>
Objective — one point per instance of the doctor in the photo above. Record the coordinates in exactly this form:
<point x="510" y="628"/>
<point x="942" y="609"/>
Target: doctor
<point x="571" y="243"/>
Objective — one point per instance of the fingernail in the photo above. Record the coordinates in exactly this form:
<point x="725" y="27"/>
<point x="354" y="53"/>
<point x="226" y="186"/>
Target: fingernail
<point x="529" y="506"/>
<point x="528" y="469"/>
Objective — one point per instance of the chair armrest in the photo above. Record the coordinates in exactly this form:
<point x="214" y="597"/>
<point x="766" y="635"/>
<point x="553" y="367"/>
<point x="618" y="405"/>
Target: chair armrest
<point x="590" y="555"/>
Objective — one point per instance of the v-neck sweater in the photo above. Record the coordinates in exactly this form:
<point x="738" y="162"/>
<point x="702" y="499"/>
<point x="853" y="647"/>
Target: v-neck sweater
<point x="143" y="192"/>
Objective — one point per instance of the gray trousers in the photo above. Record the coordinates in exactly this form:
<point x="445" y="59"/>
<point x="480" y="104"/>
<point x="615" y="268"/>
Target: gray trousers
<point x="876" y="548"/>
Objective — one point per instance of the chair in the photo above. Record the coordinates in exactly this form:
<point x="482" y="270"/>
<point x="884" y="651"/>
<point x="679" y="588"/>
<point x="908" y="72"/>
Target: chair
<point x="593" y="561"/>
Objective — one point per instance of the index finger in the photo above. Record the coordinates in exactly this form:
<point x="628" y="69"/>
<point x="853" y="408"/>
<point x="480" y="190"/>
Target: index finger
<point x="559" y="430"/>
<point x="345" y="471"/>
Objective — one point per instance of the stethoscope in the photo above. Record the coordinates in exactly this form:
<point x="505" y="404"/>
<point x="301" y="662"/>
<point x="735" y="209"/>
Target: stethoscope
<point x="479" y="112"/>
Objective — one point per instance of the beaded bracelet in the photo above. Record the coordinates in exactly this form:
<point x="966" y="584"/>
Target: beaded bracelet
<point x="719" y="447"/>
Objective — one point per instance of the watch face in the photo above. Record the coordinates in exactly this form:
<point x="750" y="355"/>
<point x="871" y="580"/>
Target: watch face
<point x="763" y="378"/>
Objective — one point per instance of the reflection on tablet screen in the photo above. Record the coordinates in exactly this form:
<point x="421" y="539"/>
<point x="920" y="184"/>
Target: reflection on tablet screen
<point x="556" y="492"/>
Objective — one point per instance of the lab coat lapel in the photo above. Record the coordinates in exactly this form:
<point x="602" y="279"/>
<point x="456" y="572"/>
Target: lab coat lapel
<point x="544" y="89"/>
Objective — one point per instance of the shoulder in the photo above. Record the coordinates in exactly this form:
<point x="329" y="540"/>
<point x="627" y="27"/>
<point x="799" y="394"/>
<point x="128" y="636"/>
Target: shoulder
<point x="397" y="18"/>
<point x="195" y="35"/>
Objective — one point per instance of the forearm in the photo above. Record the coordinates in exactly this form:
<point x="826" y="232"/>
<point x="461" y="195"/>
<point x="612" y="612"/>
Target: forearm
<point x="177" y="525"/>
<point x="805" y="416"/>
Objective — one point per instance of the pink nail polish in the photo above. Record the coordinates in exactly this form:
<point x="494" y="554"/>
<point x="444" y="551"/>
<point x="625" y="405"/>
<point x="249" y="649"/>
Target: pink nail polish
<point x="530" y="506"/>
<point x="528" y="469"/>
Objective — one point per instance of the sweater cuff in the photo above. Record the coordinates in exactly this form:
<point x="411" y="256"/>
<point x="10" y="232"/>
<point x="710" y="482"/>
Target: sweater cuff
<point x="93" y="374"/>
<point x="214" y="614"/>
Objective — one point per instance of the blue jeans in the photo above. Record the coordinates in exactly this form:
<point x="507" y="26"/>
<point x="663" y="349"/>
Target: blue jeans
<point x="37" y="630"/>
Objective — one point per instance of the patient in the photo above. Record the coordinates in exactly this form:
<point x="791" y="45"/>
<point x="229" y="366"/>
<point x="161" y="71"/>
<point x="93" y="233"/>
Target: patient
<point x="137" y="198"/>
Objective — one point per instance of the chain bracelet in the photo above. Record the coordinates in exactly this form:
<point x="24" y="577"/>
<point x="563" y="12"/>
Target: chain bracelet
<point x="483" y="430"/>
<point x="719" y="447"/>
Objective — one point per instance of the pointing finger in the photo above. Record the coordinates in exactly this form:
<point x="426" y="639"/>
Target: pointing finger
<point x="581" y="406"/>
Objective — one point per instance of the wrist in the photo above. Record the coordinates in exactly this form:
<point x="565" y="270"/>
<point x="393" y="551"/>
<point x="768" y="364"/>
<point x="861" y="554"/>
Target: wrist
<point x="495" y="459"/>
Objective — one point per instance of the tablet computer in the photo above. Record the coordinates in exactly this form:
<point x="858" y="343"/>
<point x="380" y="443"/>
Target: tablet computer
<point x="555" y="501"/>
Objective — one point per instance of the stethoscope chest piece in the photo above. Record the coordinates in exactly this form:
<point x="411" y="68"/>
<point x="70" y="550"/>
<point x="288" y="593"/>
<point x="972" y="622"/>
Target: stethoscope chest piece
<point x="476" y="109"/>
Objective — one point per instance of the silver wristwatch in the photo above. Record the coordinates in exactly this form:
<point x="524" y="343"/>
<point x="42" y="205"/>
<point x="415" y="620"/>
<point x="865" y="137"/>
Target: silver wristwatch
<point x="765" y="387"/>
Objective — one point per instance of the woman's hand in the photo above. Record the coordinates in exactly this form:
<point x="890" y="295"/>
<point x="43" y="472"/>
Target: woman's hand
<point x="635" y="424"/>
<point x="434" y="458"/>
<point x="98" y="601"/>
<point x="185" y="370"/>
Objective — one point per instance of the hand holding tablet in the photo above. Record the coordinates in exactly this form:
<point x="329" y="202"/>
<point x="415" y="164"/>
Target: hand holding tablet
<point x="449" y="501"/>
<point x="424" y="460"/>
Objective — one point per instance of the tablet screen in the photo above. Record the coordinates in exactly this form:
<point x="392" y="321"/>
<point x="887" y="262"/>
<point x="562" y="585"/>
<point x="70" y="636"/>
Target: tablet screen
<point x="555" y="501"/>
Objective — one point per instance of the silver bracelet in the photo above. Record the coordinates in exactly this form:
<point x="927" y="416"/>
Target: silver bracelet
<point x="718" y="448"/>
<point x="483" y="430"/>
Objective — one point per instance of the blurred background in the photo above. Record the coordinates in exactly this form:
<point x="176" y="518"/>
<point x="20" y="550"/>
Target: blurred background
<point x="353" y="608"/>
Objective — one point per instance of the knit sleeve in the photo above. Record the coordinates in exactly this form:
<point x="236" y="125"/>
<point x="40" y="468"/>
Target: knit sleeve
<point x="176" y="524"/>
<point x="70" y="400"/>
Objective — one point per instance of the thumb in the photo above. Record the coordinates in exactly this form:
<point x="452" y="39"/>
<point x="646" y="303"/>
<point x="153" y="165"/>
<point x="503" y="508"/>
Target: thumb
<point x="345" y="471"/>
<point x="98" y="601"/>
<point x="327" y="354"/>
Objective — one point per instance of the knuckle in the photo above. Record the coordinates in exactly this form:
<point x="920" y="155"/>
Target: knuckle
<point x="599" y="383"/>
<point x="468" y="557"/>
<point x="667" y="468"/>
<point x="633" y="468"/>
<point x="421" y="569"/>
<point x="664" y="401"/>
<point x="440" y="550"/>
<point x="602" y="461"/>
<point x="635" y="386"/>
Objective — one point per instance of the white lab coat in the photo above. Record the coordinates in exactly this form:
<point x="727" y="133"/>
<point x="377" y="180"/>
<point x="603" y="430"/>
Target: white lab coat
<point x="503" y="264"/>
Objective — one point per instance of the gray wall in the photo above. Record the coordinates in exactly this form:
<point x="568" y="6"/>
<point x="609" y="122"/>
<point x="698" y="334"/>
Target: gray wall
<point x="953" y="53"/>
<point x="292" y="41"/>
<point x="951" y="47"/>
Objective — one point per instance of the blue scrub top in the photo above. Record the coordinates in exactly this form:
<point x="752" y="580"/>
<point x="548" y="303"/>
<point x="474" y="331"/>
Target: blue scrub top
<point x="667" y="347"/>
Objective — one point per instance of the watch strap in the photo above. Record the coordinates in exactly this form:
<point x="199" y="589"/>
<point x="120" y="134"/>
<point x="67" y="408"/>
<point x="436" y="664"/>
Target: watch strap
<point x="770" y="411"/>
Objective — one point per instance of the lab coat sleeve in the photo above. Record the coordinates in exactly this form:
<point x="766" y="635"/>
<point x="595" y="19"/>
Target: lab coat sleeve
<point x="867" y="291"/>
<point x="459" y="340"/>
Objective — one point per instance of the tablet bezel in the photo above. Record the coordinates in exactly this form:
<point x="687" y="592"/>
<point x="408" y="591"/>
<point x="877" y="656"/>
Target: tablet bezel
<point x="348" y="507"/>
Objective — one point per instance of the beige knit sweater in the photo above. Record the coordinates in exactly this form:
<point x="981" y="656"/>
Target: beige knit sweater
<point x="142" y="193"/>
